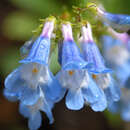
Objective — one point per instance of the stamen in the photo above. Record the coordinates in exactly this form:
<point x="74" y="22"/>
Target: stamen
<point x="71" y="73"/>
<point x="94" y="76"/>
<point x="35" y="70"/>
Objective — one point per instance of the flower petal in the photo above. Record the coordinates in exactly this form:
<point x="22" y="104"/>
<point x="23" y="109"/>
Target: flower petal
<point x="10" y="96"/>
<point x="92" y="92"/>
<point x="101" y="104"/>
<point x="14" y="83"/>
<point x="35" y="121"/>
<point x="74" y="100"/>
<point x="24" y="110"/>
<point x="47" y="106"/>
<point x="39" y="52"/>
<point x="112" y="92"/>
<point x="92" y="55"/>
<point x="29" y="96"/>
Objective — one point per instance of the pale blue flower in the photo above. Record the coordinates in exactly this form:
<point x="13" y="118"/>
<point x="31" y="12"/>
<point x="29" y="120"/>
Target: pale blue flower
<point x="73" y="77"/>
<point x="119" y="22"/>
<point x="91" y="53"/>
<point x="32" y="83"/>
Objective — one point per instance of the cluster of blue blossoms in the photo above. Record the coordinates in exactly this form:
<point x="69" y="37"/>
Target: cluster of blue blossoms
<point x="83" y="79"/>
<point x="117" y="54"/>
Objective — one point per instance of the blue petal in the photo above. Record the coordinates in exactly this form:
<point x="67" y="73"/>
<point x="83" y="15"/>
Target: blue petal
<point x="92" y="55"/>
<point x="127" y="84"/>
<point x="14" y="83"/>
<point x="35" y="121"/>
<point x="9" y="95"/>
<point x="92" y="92"/>
<point x="53" y="89"/>
<point x="39" y="52"/>
<point x="112" y="92"/>
<point x="114" y="107"/>
<point x="123" y="73"/>
<point x="109" y="42"/>
<point x="29" y="96"/>
<point x="101" y="104"/>
<point x="117" y="21"/>
<point x="71" y="57"/>
<point x="74" y="100"/>
<point x="24" y="110"/>
<point x="47" y="108"/>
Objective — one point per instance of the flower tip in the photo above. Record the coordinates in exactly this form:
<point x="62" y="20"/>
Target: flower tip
<point x="66" y="23"/>
<point x="51" y="18"/>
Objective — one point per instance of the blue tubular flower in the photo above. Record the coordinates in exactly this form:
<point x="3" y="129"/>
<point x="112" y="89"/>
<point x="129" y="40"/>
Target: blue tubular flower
<point x="32" y="112"/>
<point x="25" y="82"/>
<point x="71" y="58"/>
<point x="118" y="22"/>
<point x="72" y="76"/>
<point x="33" y="84"/>
<point x="39" y="52"/>
<point x="113" y="49"/>
<point x="91" y="52"/>
<point x="80" y="91"/>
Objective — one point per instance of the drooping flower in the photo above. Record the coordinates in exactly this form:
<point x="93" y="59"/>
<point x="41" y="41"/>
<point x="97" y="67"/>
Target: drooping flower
<point x="109" y="86"/>
<point x="118" y="22"/>
<point x="100" y="74"/>
<point x="91" y="53"/>
<point x="27" y="81"/>
<point x="32" y="112"/>
<point x="117" y="56"/>
<point x="74" y="78"/>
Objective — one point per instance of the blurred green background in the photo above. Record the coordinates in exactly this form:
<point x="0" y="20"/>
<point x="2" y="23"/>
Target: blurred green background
<point x="17" y="20"/>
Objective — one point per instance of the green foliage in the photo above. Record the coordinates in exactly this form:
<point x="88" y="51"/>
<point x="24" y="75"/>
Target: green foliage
<point x="19" y="26"/>
<point x="40" y="7"/>
<point x="10" y="60"/>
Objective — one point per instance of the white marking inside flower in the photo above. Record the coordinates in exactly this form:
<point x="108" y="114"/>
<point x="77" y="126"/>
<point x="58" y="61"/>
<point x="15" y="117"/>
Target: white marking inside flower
<point x="33" y="74"/>
<point x="102" y="80"/>
<point x="74" y="79"/>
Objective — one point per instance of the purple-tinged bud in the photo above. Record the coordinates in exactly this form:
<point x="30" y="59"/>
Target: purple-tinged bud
<point x="87" y="34"/>
<point x="91" y="53"/>
<point x="119" y="22"/>
<point x="39" y="53"/>
<point x="123" y="37"/>
<point x="67" y="32"/>
<point x="48" y="29"/>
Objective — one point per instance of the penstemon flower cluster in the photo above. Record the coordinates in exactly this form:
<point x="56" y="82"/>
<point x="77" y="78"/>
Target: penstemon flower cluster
<point x="85" y="77"/>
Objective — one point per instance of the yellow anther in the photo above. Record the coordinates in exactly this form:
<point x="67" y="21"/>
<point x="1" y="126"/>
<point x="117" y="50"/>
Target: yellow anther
<point x="71" y="73"/>
<point x="35" y="70"/>
<point x="94" y="76"/>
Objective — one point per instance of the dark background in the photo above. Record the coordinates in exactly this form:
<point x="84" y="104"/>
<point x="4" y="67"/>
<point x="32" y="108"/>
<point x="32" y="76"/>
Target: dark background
<point x="17" y="20"/>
